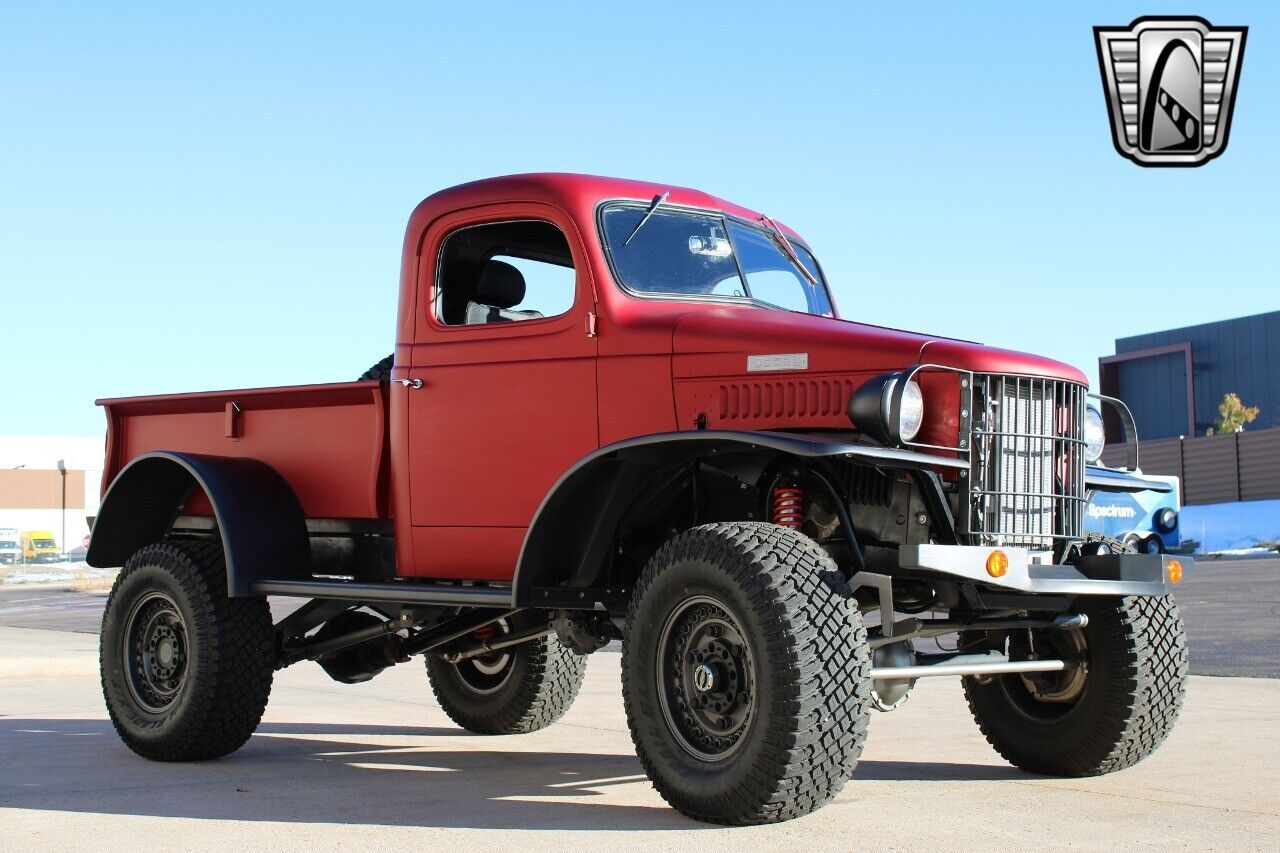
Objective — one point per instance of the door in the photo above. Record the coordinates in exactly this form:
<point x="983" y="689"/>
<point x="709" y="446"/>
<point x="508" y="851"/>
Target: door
<point x="505" y="350"/>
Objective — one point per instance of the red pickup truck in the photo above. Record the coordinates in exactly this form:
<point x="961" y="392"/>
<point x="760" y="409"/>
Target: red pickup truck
<point x="621" y="410"/>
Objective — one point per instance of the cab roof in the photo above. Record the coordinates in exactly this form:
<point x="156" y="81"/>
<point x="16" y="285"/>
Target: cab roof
<point x="575" y="193"/>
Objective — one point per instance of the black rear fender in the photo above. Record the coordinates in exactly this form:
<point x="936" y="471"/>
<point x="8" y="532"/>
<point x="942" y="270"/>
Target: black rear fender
<point x="257" y="515"/>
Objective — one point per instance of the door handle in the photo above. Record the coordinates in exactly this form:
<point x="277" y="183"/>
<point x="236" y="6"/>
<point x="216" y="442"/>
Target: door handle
<point x="411" y="383"/>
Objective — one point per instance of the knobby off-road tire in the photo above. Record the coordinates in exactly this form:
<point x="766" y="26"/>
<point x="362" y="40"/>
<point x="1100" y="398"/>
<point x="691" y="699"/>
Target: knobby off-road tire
<point x="186" y="671"/>
<point x="515" y="691"/>
<point x="1136" y="650"/>
<point x="765" y="609"/>
<point x="380" y="371"/>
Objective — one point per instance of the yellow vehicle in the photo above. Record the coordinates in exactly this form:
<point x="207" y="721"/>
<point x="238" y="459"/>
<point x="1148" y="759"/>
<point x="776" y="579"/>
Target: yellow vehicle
<point x="38" y="547"/>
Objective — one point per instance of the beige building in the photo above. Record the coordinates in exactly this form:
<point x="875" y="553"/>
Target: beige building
<point x="37" y="494"/>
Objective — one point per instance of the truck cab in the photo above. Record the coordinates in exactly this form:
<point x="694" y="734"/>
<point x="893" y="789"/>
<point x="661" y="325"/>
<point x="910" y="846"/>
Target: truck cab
<point x="626" y="410"/>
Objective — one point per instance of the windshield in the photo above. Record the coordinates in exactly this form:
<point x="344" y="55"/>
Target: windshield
<point x="43" y="543"/>
<point x="702" y="255"/>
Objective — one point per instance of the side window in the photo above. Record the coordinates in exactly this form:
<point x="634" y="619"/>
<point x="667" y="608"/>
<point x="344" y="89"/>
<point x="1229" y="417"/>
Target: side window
<point x="548" y="288"/>
<point x="504" y="272"/>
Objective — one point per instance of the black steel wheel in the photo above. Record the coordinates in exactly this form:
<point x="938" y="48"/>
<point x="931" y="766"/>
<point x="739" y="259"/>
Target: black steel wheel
<point x="155" y="651"/>
<point x="745" y="674"/>
<point x="487" y="674"/>
<point x="186" y="670"/>
<point x="706" y="677"/>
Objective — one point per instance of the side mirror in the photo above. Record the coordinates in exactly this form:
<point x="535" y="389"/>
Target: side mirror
<point x="714" y="246"/>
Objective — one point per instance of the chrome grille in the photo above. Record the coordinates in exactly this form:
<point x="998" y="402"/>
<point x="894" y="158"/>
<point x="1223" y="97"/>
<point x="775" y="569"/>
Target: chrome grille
<point x="1027" y="465"/>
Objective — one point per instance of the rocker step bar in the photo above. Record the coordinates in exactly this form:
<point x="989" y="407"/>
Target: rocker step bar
<point x="399" y="592"/>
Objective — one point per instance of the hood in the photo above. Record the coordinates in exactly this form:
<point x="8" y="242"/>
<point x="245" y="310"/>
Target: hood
<point x="721" y="342"/>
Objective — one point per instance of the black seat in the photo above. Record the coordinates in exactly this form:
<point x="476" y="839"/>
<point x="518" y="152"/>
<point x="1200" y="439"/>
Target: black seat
<point x="499" y="287"/>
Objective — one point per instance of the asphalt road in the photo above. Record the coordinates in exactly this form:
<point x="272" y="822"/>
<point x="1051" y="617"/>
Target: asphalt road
<point x="379" y="766"/>
<point x="57" y="608"/>
<point x="1231" y="609"/>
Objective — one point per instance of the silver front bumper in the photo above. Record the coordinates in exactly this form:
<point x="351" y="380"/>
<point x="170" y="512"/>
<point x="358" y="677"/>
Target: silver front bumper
<point x="1114" y="574"/>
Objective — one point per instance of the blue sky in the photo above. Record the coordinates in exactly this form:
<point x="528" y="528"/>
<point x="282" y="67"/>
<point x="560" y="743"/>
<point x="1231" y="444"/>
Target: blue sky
<point x="215" y="197"/>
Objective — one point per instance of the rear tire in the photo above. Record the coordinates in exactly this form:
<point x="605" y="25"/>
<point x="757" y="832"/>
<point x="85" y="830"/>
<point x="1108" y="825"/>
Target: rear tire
<point x="186" y="671"/>
<point x="745" y="674"/>
<point x="1130" y="698"/>
<point x="515" y="691"/>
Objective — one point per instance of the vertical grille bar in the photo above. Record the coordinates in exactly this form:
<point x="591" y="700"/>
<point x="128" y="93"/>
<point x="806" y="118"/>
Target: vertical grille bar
<point x="1027" y="461"/>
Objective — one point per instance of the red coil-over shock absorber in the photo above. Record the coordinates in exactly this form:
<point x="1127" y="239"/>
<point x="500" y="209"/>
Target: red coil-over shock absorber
<point x="788" y="506"/>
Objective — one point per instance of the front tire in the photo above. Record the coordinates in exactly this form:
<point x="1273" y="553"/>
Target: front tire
<point x="745" y="674"/>
<point x="186" y="671"/>
<point x="517" y="690"/>
<point x="1113" y="715"/>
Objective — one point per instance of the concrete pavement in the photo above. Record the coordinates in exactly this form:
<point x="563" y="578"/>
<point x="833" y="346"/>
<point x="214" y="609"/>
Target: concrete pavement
<point x="379" y="765"/>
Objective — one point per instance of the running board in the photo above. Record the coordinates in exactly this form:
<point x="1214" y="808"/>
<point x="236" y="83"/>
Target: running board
<point x="990" y="664"/>
<point x="399" y="593"/>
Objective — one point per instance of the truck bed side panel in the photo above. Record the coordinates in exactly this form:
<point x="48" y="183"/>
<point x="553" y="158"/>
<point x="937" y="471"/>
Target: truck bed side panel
<point x="329" y="442"/>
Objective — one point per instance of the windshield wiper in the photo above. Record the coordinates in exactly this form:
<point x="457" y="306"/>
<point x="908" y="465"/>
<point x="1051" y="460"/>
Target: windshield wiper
<point x="657" y="201"/>
<point x="785" y="245"/>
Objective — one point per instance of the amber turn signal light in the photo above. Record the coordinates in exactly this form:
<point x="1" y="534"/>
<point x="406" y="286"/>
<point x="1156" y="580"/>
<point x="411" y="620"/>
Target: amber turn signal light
<point x="998" y="564"/>
<point x="1174" y="570"/>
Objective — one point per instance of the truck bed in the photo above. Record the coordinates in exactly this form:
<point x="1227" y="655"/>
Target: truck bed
<point x="329" y="442"/>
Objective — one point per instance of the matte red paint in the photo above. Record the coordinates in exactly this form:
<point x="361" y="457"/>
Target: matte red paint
<point x="462" y="463"/>
<point x="328" y="441"/>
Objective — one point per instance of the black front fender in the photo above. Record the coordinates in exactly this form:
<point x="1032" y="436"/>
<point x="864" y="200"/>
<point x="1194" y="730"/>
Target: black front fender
<point x="576" y="523"/>
<point x="261" y="523"/>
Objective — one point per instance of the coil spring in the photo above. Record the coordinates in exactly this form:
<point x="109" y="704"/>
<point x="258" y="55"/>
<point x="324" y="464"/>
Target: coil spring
<point x="788" y="506"/>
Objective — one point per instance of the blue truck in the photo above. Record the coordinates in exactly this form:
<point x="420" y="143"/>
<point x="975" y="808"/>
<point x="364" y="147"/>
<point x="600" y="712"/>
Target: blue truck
<point x="1145" y="521"/>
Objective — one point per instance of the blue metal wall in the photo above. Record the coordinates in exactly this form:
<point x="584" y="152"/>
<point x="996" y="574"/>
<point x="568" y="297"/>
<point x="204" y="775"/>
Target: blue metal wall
<point x="1240" y="356"/>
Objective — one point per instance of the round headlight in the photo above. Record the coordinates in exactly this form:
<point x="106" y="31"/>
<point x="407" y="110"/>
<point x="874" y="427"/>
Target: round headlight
<point x="1094" y="435"/>
<point x="871" y="408"/>
<point x="911" y="412"/>
<point x="1167" y="519"/>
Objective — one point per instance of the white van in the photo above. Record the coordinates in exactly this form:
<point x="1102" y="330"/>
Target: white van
<point x="10" y="547"/>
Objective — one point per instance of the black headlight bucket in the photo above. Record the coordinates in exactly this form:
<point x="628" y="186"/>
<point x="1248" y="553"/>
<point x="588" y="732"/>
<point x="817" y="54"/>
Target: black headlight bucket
<point x="1166" y="520"/>
<point x="876" y="407"/>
